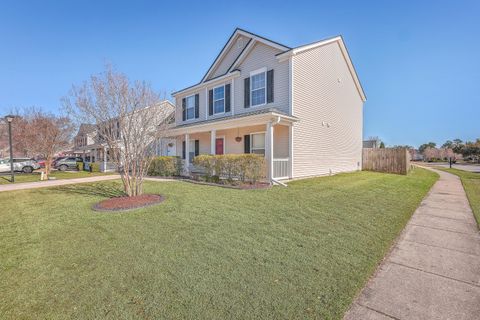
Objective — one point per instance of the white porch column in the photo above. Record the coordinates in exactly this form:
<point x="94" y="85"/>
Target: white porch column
<point x="96" y="155"/>
<point x="104" y="159"/>
<point x="269" y="151"/>
<point x="213" y="139"/>
<point x="83" y="157"/>
<point x="290" y="151"/>
<point x="187" y="152"/>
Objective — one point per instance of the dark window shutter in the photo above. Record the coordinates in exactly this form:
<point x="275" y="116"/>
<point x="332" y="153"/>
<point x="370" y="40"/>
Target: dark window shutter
<point x="184" y="109"/>
<point x="197" y="147"/>
<point x="210" y="102"/>
<point x="197" y="105"/>
<point x="270" y="86"/>
<point x="246" y="92"/>
<point x="246" y="143"/>
<point x="183" y="150"/>
<point x="227" y="98"/>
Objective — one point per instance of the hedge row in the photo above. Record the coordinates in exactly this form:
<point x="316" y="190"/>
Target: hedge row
<point x="243" y="167"/>
<point x="165" y="166"/>
<point x="94" y="167"/>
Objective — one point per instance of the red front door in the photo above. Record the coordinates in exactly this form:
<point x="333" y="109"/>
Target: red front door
<point x="219" y="146"/>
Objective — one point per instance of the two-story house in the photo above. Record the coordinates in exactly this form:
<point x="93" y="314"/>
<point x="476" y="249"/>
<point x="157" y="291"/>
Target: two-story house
<point x="302" y="108"/>
<point x="92" y="147"/>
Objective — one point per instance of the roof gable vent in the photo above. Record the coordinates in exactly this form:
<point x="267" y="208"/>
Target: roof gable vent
<point x="240" y="43"/>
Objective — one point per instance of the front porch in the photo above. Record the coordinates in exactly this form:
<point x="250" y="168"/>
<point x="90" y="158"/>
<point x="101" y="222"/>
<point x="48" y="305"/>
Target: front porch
<point x="268" y="134"/>
<point x="98" y="153"/>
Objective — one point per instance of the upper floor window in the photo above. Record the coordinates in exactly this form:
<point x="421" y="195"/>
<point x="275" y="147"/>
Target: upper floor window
<point x="219" y="99"/>
<point x="258" y="87"/>
<point x="190" y="107"/>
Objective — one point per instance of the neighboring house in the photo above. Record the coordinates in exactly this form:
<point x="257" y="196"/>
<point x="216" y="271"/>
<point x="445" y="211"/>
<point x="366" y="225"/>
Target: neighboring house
<point x="90" y="145"/>
<point x="300" y="107"/>
<point x="372" y="143"/>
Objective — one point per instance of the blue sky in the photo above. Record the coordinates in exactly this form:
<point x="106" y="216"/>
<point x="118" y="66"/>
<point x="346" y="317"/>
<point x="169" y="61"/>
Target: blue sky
<point x="418" y="61"/>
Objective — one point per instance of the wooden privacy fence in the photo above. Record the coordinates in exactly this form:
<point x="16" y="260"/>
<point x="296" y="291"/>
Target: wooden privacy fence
<point x="389" y="160"/>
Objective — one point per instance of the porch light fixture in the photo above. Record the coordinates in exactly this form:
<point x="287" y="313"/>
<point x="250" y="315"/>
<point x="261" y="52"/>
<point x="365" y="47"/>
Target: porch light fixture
<point x="238" y="138"/>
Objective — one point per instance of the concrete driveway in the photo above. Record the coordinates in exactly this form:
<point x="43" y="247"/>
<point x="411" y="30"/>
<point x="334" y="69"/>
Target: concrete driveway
<point x="433" y="271"/>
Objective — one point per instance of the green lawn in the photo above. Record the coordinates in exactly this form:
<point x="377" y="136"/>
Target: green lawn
<point x="35" y="176"/>
<point x="301" y="252"/>
<point x="471" y="184"/>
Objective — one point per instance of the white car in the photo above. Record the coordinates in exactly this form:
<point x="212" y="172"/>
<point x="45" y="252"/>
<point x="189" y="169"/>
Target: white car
<point x="25" y="165"/>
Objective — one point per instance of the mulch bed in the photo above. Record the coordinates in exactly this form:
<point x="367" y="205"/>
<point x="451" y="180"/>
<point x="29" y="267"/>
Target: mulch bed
<point x="128" y="203"/>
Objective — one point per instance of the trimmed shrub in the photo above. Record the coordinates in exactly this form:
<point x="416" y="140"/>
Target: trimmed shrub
<point x="80" y="166"/>
<point x="165" y="166"/>
<point x="94" y="167"/>
<point x="230" y="167"/>
<point x="209" y="165"/>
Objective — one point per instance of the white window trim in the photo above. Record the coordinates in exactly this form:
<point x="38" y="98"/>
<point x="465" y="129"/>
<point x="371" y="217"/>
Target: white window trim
<point x="223" y="138"/>
<point x="253" y="73"/>
<point x="224" y="97"/>
<point x="265" y="143"/>
<point x="186" y="107"/>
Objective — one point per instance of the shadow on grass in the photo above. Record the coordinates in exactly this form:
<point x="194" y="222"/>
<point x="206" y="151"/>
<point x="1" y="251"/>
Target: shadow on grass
<point x="6" y="178"/>
<point x="102" y="190"/>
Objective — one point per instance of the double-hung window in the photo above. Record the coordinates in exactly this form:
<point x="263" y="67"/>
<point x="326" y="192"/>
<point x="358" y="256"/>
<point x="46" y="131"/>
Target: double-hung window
<point x="257" y="145"/>
<point x="219" y="100"/>
<point x="258" y="85"/>
<point x="190" y="107"/>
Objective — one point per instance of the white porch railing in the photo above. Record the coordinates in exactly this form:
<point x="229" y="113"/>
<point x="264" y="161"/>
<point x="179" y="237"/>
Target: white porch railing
<point x="281" y="168"/>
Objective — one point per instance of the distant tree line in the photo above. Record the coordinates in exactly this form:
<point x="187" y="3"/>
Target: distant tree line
<point x="470" y="150"/>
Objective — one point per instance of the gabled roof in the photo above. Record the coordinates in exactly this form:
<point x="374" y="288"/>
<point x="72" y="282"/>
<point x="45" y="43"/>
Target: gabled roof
<point x="343" y="48"/>
<point x="286" y="52"/>
<point x="86" y="128"/>
<point x="229" y="43"/>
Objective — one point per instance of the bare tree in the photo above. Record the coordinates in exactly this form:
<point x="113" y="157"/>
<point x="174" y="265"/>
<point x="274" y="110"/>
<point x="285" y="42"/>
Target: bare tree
<point x="129" y="119"/>
<point x="38" y="133"/>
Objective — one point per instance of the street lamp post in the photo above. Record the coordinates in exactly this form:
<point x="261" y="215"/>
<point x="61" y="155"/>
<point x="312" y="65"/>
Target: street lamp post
<point x="9" y="120"/>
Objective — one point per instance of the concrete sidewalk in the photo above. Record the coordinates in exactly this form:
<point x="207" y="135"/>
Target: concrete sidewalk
<point x="54" y="183"/>
<point x="433" y="271"/>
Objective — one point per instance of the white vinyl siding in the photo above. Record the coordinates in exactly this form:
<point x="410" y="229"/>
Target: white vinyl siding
<point x="328" y="137"/>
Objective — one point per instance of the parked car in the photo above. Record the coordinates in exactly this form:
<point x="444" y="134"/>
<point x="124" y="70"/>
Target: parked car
<point x="41" y="162"/>
<point x="26" y="165"/>
<point x="63" y="164"/>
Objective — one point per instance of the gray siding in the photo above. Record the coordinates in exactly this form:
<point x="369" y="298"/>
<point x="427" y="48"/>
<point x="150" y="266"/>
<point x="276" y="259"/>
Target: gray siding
<point x="264" y="56"/>
<point x="324" y="91"/>
<point x="202" y="105"/>
<point x="260" y="56"/>
<point x="232" y="54"/>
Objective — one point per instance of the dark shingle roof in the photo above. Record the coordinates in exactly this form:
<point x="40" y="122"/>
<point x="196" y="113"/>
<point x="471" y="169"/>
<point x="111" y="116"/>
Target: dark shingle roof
<point x="236" y="116"/>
